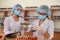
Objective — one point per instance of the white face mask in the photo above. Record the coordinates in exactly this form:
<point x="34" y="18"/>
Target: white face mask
<point x="43" y="17"/>
<point x="17" y="12"/>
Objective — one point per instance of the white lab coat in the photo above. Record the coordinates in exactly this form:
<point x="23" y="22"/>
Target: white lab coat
<point x="47" y="25"/>
<point x="10" y="24"/>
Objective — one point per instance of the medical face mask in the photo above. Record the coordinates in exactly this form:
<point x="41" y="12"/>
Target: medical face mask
<point x="43" y="17"/>
<point x="17" y="12"/>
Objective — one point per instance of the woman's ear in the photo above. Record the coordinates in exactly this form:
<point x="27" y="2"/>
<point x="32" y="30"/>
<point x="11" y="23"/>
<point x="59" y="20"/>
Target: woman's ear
<point x="49" y="17"/>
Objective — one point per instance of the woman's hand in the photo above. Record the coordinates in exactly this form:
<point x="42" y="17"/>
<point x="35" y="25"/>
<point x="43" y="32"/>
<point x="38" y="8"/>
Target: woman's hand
<point x="46" y="35"/>
<point x="39" y="29"/>
<point x="25" y="27"/>
<point x="30" y="33"/>
<point x="13" y="31"/>
<point x="42" y="30"/>
<point x="36" y="28"/>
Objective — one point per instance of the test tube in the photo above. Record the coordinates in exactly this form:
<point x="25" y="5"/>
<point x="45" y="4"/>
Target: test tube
<point x="28" y="38"/>
<point x="19" y="38"/>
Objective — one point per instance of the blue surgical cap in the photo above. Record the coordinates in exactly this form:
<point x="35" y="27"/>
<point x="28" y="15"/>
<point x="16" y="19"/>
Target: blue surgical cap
<point x="16" y="6"/>
<point x="45" y="9"/>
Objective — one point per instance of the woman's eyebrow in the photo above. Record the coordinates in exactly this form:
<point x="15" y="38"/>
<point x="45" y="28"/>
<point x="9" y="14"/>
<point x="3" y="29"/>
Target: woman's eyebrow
<point x="42" y="13"/>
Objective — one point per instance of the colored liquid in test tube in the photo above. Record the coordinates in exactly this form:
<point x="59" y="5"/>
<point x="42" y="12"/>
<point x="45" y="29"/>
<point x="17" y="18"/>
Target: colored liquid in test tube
<point x="28" y="38"/>
<point x="19" y="38"/>
<point x="34" y="38"/>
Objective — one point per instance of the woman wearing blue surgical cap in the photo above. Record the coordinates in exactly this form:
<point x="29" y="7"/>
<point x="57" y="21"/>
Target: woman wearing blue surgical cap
<point x="12" y="23"/>
<point x="44" y="27"/>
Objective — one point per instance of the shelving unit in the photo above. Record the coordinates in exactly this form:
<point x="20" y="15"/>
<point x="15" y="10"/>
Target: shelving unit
<point x="55" y="15"/>
<point x="4" y="13"/>
<point x="30" y="13"/>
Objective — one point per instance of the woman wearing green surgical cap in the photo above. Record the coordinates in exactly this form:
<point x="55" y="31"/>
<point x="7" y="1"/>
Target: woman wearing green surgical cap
<point x="44" y="27"/>
<point x="12" y="23"/>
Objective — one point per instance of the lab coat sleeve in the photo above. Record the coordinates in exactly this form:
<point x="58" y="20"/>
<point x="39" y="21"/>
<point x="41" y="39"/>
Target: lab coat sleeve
<point x="6" y="26"/>
<point x="51" y="30"/>
<point x="30" y="27"/>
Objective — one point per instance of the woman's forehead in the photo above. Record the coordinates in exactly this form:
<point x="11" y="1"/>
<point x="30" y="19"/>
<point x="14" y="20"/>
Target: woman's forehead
<point x="18" y="8"/>
<point x="42" y="13"/>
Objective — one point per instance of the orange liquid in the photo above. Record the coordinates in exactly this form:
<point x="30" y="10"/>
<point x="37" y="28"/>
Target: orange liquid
<point x="35" y="38"/>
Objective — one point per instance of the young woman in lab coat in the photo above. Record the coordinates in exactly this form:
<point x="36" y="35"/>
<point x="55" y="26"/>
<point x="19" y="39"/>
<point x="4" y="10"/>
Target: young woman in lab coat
<point x="44" y="26"/>
<point x="12" y="23"/>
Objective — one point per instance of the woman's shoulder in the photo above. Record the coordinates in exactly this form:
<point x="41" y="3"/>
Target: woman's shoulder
<point x="51" y="21"/>
<point x="7" y="18"/>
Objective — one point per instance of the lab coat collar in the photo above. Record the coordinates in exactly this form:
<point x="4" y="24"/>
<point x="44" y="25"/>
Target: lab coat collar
<point x="12" y="18"/>
<point x="45" y="21"/>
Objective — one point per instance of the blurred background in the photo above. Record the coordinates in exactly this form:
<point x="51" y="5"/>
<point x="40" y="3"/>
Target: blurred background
<point x="29" y="13"/>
